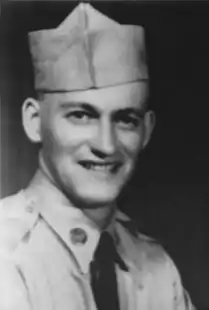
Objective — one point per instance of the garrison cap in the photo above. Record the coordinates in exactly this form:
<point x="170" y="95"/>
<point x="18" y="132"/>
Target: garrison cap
<point x="87" y="50"/>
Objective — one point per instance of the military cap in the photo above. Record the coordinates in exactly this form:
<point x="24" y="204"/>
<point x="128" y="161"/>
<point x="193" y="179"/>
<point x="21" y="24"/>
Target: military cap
<point x="87" y="50"/>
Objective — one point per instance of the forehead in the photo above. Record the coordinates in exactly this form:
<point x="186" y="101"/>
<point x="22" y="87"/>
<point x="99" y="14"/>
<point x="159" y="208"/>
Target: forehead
<point x="106" y="99"/>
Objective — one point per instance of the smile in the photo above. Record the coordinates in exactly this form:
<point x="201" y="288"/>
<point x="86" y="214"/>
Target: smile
<point x="100" y="166"/>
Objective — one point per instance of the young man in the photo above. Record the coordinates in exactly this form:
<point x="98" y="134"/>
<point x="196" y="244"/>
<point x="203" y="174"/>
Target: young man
<point x="63" y="243"/>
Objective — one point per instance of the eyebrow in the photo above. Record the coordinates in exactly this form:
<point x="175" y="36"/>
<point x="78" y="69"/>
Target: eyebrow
<point x="72" y="104"/>
<point x="137" y="111"/>
<point x="92" y="109"/>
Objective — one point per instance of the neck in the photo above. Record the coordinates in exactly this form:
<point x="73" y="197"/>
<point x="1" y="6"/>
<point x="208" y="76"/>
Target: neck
<point x="101" y="216"/>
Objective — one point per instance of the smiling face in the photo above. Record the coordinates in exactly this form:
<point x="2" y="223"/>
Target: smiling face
<point x="91" y="139"/>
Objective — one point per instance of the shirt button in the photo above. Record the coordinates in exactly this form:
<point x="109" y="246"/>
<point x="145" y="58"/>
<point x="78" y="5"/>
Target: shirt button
<point x="78" y="236"/>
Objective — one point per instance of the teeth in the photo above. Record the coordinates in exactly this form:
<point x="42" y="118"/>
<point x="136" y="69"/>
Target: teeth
<point x="99" y="167"/>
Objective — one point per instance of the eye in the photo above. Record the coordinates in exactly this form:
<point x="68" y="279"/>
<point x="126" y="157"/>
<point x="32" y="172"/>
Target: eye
<point x="79" y="117"/>
<point x="128" y="122"/>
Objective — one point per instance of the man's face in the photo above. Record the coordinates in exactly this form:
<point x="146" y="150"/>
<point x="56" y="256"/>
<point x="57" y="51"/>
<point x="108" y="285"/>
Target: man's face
<point x="91" y="139"/>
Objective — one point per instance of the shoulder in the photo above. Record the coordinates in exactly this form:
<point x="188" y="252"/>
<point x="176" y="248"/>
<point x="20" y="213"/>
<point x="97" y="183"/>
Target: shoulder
<point x="148" y="258"/>
<point x="137" y="243"/>
<point x="136" y="233"/>
<point x="17" y="217"/>
<point x="13" y="292"/>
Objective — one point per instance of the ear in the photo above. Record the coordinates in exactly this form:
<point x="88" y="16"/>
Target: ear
<point x="31" y="119"/>
<point x="149" y="124"/>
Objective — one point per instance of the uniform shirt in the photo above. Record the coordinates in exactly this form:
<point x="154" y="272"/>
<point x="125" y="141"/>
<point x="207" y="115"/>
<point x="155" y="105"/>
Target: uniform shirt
<point x="46" y="246"/>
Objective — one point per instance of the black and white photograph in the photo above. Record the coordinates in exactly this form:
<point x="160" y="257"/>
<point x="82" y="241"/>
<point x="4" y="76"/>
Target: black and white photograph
<point x="104" y="194"/>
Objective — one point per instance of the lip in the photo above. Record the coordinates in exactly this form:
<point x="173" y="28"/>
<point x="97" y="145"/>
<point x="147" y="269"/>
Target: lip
<point x="101" y="166"/>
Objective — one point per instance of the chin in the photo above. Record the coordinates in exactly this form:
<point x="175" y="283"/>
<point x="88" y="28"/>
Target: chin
<point x="97" y="196"/>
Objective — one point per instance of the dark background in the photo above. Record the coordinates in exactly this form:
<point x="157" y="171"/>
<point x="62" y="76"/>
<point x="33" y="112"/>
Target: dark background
<point x="168" y="195"/>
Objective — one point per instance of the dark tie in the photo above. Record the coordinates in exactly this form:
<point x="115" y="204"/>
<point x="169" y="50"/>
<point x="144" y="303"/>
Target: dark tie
<point x="103" y="274"/>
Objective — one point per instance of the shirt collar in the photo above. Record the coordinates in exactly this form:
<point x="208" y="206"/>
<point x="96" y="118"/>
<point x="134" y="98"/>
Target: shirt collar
<point x="66" y="220"/>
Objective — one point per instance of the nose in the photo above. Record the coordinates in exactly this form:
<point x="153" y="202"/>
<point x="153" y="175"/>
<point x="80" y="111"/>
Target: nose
<point x="105" y="141"/>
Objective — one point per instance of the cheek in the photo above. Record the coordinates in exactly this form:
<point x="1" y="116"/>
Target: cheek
<point x="131" y="142"/>
<point x="53" y="139"/>
<point x="61" y="137"/>
<point x="50" y="146"/>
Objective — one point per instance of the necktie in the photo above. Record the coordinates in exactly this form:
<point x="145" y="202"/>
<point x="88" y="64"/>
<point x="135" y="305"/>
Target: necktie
<point x="103" y="274"/>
